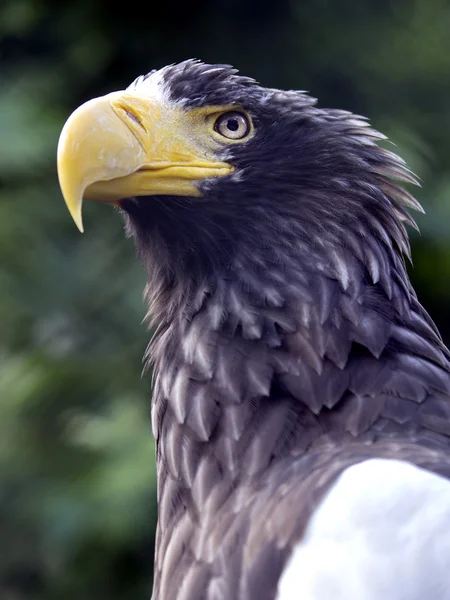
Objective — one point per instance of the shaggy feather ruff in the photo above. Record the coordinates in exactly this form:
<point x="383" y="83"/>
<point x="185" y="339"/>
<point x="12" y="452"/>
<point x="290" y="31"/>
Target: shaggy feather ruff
<point x="289" y="343"/>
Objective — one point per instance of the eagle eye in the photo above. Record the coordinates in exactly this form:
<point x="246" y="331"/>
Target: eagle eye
<point x="233" y="125"/>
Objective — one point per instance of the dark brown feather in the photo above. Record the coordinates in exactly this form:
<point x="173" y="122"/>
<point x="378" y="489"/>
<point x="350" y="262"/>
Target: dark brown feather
<point x="290" y="344"/>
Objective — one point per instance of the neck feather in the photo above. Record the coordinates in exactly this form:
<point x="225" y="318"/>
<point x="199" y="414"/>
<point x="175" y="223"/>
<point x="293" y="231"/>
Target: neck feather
<point x="261" y="352"/>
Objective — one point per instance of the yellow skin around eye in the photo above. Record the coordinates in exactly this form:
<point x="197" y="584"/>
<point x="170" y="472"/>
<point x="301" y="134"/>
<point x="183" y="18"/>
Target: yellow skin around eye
<point x="197" y="117"/>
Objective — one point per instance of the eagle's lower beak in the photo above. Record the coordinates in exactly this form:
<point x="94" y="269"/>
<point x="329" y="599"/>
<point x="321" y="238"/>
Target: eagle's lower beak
<point x="124" y="145"/>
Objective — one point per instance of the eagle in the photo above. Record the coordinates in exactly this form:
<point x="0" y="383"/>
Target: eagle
<point x="301" y="393"/>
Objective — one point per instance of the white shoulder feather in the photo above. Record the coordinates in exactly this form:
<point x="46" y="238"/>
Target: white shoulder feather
<point x="381" y="533"/>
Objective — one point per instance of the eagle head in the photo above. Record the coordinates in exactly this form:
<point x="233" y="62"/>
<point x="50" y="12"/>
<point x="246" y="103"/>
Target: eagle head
<point x="215" y="173"/>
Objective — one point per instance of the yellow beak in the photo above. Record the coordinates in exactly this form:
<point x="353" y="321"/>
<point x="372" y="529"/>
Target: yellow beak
<point x="124" y="145"/>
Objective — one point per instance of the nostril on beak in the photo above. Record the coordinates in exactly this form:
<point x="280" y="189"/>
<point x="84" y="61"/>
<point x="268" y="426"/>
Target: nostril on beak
<point x="128" y="112"/>
<point x="134" y="117"/>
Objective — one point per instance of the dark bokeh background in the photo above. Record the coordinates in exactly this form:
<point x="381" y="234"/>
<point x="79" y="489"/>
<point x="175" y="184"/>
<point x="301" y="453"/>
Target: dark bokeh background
<point x="77" y="479"/>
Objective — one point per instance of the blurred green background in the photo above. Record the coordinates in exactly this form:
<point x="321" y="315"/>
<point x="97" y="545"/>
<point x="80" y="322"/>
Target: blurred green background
<point x="77" y="478"/>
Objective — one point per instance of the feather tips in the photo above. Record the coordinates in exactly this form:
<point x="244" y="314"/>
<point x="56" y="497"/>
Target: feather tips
<point x="289" y="342"/>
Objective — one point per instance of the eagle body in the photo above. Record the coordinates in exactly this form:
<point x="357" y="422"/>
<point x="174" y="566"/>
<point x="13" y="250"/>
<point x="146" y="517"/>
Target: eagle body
<point x="301" y="403"/>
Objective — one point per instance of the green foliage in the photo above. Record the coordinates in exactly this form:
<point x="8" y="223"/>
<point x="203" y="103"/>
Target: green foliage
<point x="77" y="476"/>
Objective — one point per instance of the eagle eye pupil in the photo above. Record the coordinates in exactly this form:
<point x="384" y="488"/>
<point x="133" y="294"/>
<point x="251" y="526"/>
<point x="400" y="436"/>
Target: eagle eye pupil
<point x="232" y="125"/>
